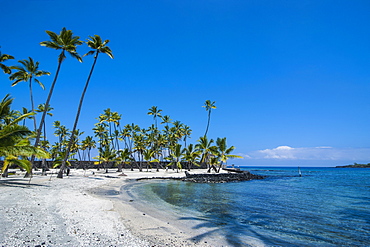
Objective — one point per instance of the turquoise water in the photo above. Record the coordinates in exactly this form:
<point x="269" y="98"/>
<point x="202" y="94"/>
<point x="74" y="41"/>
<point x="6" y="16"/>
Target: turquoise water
<point x="324" y="207"/>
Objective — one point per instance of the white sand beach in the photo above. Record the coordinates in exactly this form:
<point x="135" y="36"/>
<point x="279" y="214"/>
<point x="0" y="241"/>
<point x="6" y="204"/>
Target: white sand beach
<point x="86" y="209"/>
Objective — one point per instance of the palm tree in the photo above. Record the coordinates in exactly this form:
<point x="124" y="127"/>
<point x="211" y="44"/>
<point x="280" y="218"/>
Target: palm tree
<point x="3" y="58"/>
<point x="62" y="133"/>
<point x="124" y="157"/>
<point x="209" y="106"/>
<point x="98" y="46"/>
<point x="148" y="155"/>
<point x="14" y="139"/>
<point x="107" y="155"/>
<point x="191" y="155"/>
<point x="101" y="132"/>
<point x="176" y="156"/>
<point x="156" y="113"/>
<point x="166" y="120"/>
<point x="222" y="152"/>
<point x="27" y="72"/>
<point x="186" y="132"/>
<point x="66" y="42"/>
<point x="88" y="143"/>
<point x="139" y="147"/>
<point x="206" y="148"/>
<point x="41" y="108"/>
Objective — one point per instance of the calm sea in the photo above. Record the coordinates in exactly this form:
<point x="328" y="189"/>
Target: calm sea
<point x="324" y="207"/>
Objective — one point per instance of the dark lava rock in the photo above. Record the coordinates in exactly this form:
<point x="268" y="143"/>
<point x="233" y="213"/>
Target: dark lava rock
<point x="221" y="177"/>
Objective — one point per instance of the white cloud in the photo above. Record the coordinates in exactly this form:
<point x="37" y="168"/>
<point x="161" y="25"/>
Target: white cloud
<point x="311" y="153"/>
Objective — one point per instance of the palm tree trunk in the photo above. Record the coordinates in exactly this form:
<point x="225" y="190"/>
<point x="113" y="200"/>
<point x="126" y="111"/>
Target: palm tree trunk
<point x="38" y="132"/>
<point x="5" y="173"/>
<point x="60" y="174"/>
<point x="209" y="120"/>
<point x="32" y="105"/>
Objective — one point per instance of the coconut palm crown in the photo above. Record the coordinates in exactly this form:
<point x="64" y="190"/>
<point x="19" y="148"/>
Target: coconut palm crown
<point x="65" y="41"/>
<point x="97" y="46"/>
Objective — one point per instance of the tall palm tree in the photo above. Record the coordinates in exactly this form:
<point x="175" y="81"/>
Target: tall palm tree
<point x="98" y="47"/>
<point x="66" y="42"/>
<point x="209" y="106"/>
<point x="27" y="72"/>
<point x="3" y="58"/>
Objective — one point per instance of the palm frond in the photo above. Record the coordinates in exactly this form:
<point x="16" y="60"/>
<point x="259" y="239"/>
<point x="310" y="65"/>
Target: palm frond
<point x="25" y="164"/>
<point x="14" y="131"/>
<point x="75" y="55"/>
<point x="53" y="36"/>
<point x="5" y="68"/>
<point x="89" y="53"/>
<point x="40" y="83"/>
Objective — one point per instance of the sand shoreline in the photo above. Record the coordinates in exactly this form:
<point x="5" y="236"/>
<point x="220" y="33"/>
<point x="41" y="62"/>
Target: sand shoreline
<point x="90" y="210"/>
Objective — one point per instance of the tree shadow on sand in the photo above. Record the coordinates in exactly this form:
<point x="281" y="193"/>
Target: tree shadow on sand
<point x="21" y="183"/>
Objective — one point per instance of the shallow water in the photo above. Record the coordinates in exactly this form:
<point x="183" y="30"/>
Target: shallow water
<point x="324" y="207"/>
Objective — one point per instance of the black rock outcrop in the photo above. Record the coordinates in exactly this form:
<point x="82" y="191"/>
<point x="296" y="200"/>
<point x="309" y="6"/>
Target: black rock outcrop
<point x="221" y="177"/>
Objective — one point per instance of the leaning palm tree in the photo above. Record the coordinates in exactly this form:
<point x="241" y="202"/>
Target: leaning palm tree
<point x="209" y="106"/>
<point x="3" y="58"/>
<point x="97" y="46"/>
<point x="222" y="152"/>
<point x="66" y="42"/>
<point x="27" y="72"/>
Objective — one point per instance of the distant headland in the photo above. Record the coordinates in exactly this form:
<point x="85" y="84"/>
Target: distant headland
<point x="355" y="165"/>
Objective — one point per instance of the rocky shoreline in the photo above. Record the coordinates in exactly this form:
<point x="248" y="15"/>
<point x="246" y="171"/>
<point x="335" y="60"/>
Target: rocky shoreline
<point x="212" y="177"/>
<point x="221" y="177"/>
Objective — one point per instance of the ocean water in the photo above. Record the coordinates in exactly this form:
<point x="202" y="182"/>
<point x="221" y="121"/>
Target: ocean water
<point x="324" y="207"/>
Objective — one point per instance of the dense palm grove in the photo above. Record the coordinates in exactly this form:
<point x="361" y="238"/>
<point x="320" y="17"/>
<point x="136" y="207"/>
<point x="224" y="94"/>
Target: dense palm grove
<point x="161" y="145"/>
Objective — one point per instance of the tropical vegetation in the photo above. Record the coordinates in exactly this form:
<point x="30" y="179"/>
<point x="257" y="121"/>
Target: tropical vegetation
<point x="162" y="145"/>
<point x="15" y="139"/>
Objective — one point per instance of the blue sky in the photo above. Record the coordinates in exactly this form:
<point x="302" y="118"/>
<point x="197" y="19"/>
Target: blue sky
<point x="291" y="79"/>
